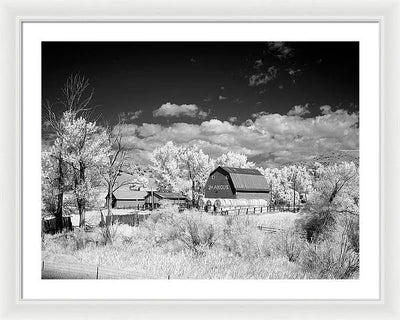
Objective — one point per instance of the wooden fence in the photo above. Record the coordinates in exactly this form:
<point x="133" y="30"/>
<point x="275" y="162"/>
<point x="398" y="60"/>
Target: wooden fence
<point x="53" y="270"/>
<point x="254" y="210"/>
<point x="133" y="219"/>
<point x="268" y="229"/>
<point x="49" y="225"/>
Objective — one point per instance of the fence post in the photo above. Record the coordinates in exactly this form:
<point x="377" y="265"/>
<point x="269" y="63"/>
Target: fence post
<point x="42" y="265"/>
<point x="97" y="272"/>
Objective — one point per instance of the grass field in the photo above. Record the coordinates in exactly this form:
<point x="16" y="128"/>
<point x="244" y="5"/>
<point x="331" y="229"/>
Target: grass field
<point x="190" y="245"/>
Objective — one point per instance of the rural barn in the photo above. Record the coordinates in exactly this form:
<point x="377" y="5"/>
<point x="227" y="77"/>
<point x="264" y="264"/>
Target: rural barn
<point x="237" y="183"/>
<point x="129" y="194"/>
<point x="156" y="197"/>
<point x="123" y="199"/>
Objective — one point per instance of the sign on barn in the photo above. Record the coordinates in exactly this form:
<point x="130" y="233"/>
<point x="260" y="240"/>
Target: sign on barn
<point x="237" y="183"/>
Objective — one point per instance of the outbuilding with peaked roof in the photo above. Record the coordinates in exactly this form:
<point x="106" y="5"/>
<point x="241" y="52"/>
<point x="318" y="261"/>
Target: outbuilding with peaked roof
<point x="124" y="199"/>
<point x="237" y="183"/>
<point x="153" y="198"/>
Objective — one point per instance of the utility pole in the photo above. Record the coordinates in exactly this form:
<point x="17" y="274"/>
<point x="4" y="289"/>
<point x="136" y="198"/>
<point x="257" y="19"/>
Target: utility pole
<point x="294" y="194"/>
<point x="152" y="198"/>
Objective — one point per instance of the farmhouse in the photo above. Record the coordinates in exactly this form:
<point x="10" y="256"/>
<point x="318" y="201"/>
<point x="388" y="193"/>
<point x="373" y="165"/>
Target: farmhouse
<point x="123" y="199"/>
<point x="153" y="198"/>
<point x="129" y="194"/>
<point x="237" y="183"/>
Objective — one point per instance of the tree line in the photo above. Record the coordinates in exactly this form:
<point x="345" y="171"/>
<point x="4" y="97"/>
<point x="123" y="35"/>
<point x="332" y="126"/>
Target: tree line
<point x="85" y="159"/>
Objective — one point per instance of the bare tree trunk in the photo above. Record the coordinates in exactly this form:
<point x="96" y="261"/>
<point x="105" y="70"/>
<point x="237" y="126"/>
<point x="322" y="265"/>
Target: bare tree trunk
<point x="81" y="200"/>
<point x="109" y="206"/>
<point x="81" y="210"/>
<point x="193" y="187"/>
<point x="294" y="195"/>
<point x="60" y="197"/>
<point x="333" y="194"/>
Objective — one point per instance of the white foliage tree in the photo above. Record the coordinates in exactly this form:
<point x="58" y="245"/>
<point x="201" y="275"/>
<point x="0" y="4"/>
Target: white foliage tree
<point x="197" y="167"/>
<point x="49" y="182"/>
<point x="337" y="188"/>
<point x="181" y="169"/>
<point x="166" y="167"/>
<point x="86" y="151"/>
<point x="232" y="159"/>
<point x="287" y="183"/>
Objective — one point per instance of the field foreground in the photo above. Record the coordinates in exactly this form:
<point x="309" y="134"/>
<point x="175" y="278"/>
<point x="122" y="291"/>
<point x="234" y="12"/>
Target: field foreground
<point x="192" y="245"/>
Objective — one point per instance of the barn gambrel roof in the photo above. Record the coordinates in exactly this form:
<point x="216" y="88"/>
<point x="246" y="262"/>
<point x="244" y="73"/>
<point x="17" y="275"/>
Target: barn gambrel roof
<point x="246" y="180"/>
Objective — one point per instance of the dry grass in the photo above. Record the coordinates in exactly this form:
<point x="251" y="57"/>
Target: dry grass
<point x="192" y="245"/>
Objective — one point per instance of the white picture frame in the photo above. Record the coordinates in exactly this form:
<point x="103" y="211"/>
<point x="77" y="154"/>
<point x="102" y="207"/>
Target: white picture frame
<point x="386" y="12"/>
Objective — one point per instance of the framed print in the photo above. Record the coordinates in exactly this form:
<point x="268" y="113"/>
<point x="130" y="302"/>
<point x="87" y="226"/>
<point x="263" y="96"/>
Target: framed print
<point x="206" y="188"/>
<point x="229" y="163"/>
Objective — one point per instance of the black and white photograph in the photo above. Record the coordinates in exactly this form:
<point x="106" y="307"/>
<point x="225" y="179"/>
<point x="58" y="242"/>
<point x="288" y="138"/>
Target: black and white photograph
<point x="200" y="160"/>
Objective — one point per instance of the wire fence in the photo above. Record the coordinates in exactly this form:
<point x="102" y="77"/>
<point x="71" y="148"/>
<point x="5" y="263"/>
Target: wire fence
<point x="54" y="270"/>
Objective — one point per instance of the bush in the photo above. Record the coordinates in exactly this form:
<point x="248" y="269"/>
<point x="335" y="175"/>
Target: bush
<point x="335" y="257"/>
<point x="241" y="238"/>
<point x="190" y="230"/>
<point x="314" y="225"/>
<point x="290" y="243"/>
<point x="108" y="233"/>
<point x="69" y="241"/>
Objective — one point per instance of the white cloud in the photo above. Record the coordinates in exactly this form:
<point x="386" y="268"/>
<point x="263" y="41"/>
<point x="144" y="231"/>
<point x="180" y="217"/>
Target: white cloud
<point x="294" y="73"/>
<point x="271" y="139"/>
<point x="326" y="109"/>
<point x="174" y="110"/>
<point x="232" y="119"/>
<point x="259" y="114"/>
<point x="131" y="115"/>
<point x="263" y="77"/>
<point x="258" y="64"/>
<point x="135" y="115"/>
<point x="280" y="50"/>
<point x="299" y="110"/>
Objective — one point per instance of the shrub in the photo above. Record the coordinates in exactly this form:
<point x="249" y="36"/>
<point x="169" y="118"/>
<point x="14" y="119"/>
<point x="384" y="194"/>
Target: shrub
<point x="68" y="241"/>
<point x="194" y="231"/>
<point x="353" y="233"/>
<point x="108" y="233"/>
<point x="335" y="257"/>
<point x="314" y="225"/>
<point x="190" y="230"/>
<point x="241" y="238"/>
<point x="290" y="243"/>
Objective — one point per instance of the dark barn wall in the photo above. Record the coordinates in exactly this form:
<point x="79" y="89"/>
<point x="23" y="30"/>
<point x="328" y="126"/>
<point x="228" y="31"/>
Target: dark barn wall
<point x="218" y="186"/>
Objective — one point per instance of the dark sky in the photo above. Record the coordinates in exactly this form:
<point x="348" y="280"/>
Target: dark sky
<point x="130" y="76"/>
<point x="273" y="101"/>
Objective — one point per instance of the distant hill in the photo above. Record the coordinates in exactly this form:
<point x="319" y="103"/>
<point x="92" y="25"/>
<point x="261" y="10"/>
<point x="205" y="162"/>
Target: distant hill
<point x="330" y="158"/>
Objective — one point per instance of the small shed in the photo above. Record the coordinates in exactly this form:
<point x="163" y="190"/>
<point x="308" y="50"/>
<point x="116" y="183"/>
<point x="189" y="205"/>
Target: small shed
<point x="124" y="199"/>
<point x="155" y="197"/>
<point x="237" y="183"/>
